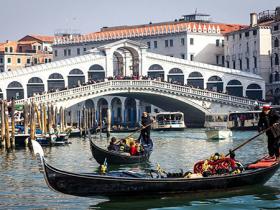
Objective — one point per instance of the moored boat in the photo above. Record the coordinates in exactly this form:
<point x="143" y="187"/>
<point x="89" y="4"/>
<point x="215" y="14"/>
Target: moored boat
<point x="128" y="183"/>
<point x="169" y="121"/>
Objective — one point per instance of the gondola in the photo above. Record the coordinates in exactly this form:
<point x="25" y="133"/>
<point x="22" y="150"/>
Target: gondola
<point x="127" y="183"/>
<point x="114" y="157"/>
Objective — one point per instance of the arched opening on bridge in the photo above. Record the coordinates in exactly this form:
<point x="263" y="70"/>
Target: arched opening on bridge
<point x="116" y="105"/>
<point x="156" y="71"/>
<point x="56" y="82"/>
<point x="1" y="94"/>
<point x="215" y="83"/>
<point x="118" y="64"/>
<point x="235" y="88"/>
<point x="76" y="77"/>
<point x="96" y="72"/>
<point x="102" y="106"/>
<point x="254" y="91"/>
<point x="176" y="76"/>
<point x="130" y="112"/>
<point x="129" y="64"/>
<point x="35" y="85"/>
<point x="89" y="104"/>
<point x="15" y="90"/>
<point x="196" y="80"/>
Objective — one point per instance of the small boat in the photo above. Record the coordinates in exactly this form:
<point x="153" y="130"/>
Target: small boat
<point x="21" y="140"/>
<point x="216" y="126"/>
<point x="115" y="157"/>
<point x="169" y="121"/>
<point x="46" y="140"/>
<point x="129" y="183"/>
<point x="61" y="139"/>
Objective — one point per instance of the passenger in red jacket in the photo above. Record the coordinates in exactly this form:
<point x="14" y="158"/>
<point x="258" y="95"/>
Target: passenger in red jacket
<point x="133" y="149"/>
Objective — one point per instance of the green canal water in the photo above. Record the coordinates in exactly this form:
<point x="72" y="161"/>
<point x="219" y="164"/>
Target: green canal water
<point x="22" y="186"/>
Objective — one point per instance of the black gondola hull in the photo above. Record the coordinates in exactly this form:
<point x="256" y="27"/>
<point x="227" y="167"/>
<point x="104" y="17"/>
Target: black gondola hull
<point x="112" y="157"/>
<point x="92" y="185"/>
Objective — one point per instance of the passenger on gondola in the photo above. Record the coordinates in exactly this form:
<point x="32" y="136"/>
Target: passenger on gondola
<point x="123" y="146"/>
<point x="269" y="118"/>
<point x="113" y="146"/>
<point x="133" y="149"/>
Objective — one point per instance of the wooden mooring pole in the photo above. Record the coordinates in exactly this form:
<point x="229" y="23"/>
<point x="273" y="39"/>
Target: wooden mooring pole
<point x="2" y="124"/>
<point x="13" y="145"/>
<point x="7" y="127"/>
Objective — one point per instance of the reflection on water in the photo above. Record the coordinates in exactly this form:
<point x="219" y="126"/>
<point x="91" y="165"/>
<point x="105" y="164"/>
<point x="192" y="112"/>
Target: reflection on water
<point x="22" y="186"/>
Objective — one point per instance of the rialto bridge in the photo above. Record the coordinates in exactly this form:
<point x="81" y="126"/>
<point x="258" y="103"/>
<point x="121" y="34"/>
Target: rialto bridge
<point x="198" y="89"/>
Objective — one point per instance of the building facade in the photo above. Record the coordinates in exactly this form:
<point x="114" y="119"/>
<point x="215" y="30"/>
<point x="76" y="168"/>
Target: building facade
<point x="28" y="51"/>
<point x="192" y="38"/>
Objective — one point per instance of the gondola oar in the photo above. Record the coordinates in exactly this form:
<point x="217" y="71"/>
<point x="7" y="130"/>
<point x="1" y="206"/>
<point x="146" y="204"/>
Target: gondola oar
<point x="138" y="130"/>
<point x="252" y="138"/>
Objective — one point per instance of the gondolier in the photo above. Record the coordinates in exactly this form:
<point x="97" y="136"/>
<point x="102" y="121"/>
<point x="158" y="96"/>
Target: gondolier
<point x="146" y="128"/>
<point x="267" y="119"/>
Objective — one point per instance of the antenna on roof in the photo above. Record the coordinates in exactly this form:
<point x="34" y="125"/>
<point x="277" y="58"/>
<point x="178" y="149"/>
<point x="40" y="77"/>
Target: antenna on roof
<point x="195" y="11"/>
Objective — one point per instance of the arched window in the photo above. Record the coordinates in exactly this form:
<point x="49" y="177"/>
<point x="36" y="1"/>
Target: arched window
<point x="76" y="77"/>
<point x="1" y="94"/>
<point x="156" y="71"/>
<point x="196" y="80"/>
<point x="235" y="88"/>
<point x="176" y="75"/>
<point x="35" y="85"/>
<point x="56" y="82"/>
<point x="15" y="90"/>
<point x="276" y="60"/>
<point x="254" y="91"/>
<point x="215" y="83"/>
<point x="96" y="72"/>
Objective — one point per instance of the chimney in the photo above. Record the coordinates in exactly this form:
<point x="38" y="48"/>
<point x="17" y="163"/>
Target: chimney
<point x="253" y="19"/>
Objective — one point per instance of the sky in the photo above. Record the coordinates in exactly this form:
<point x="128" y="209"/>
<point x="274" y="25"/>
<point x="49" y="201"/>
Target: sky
<point x="46" y="17"/>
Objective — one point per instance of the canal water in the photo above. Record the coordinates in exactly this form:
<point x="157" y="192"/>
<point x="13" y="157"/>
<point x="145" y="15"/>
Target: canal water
<point x="22" y="186"/>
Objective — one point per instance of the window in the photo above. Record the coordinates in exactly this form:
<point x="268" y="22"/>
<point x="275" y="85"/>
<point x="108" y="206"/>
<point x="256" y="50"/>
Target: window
<point x="247" y="34"/>
<point x="247" y="47"/>
<point x="6" y="49"/>
<point x="223" y="60"/>
<point x="55" y="53"/>
<point x="149" y="44"/>
<point x="255" y="32"/>
<point x="85" y="49"/>
<point x="9" y="60"/>
<point x="247" y="63"/>
<point x="20" y="49"/>
<point x="227" y="64"/>
<point x="18" y="60"/>
<point x="240" y="36"/>
<point x="46" y="60"/>
<point x="276" y="28"/>
<point x="35" y="60"/>
<point x="217" y="42"/>
<point x="1" y="60"/>
<point x="276" y="42"/>
<point x="217" y="59"/>
<point x="166" y="43"/>
<point x="191" y="57"/>
<point x="233" y="36"/>
<point x="276" y="59"/>
<point x="34" y="47"/>
<point x="223" y="43"/>
<point x="171" y="42"/>
<point x="69" y="52"/>
<point x="191" y="41"/>
<point x="39" y="47"/>
<point x="11" y="49"/>
<point x="78" y="51"/>
<point x="233" y="64"/>
<point x="255" y="62"/>
<point x="65" y="52"/>
<point x="50" y="60"/>
<point x="28" y="60"/>
<point x="183" y="56"/>
<point x="182" y="41"/>
<point x="240" y="64"/>
<point x="155" y="44"/>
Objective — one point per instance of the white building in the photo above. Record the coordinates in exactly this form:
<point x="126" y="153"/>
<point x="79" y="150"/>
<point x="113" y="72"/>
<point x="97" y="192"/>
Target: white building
<point x="274" y="86"/>
<point x="193" y="38"/>
<point x="249" y="49"/>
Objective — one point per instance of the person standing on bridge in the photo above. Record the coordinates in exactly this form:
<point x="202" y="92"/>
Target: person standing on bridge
<point x="269" y="118"/>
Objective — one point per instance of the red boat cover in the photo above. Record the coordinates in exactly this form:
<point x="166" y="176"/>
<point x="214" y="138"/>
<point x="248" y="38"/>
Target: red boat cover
<point x="225" y="163"/>
<point x="263" y="163"/>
